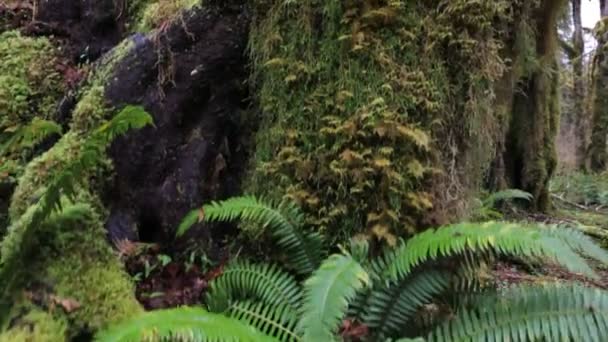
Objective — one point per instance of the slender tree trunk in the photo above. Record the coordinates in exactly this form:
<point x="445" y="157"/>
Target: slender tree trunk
<point x="579" y="116"/>
<point x="598" y="153"/>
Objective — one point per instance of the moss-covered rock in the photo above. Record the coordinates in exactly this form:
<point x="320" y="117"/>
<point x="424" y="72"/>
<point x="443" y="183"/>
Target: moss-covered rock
<point x="68" y="251"/>
<point x="87" y="287"/>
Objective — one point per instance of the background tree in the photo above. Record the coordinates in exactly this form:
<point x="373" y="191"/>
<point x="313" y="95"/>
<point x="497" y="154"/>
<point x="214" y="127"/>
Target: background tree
<point x="597" y="154"/>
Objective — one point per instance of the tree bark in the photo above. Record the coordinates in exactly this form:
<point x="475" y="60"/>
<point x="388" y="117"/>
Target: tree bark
<point x="598" y="154"/>
<point x="530" y="155"/>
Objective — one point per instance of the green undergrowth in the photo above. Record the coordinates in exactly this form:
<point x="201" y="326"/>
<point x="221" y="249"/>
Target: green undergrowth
<point x="582" y="188"/>
<point x="357" y="127"/>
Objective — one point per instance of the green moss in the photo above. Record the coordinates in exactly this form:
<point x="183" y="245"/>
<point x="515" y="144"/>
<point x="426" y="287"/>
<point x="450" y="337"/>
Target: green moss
<point x="36" y="326"/>
<point x="40" y="171"/>
<point x="69" y="250"/>
<point x="90" y="273"/>
<point x="155" y="13"/>
<point x="598" y="153"/>
<point x="29" y="83"/>
<point x="73" y="258"/>
<point x="356" y="125"/>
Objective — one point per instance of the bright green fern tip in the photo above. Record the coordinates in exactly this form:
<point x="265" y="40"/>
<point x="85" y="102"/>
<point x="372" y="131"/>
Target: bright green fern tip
<point x="327" y="294"/>
<point x="189" y="324"/>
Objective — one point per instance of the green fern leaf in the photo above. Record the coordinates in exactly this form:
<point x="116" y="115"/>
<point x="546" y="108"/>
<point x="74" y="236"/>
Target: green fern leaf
<point x="29" y="136"/>
<point x="508" y="194"/>
<point x="327" y="294"/>
<point x="243" y="280"/>
<point x="191" y="324"/>
<point x="284" y="221"/>
<point x="553" y="313"/>
<point x="129" y="118"/>
<point x="390" y="307"/>
<point x="579" y="242"/>
<point x="278" y="321"/>
<point x="530" y="241"/>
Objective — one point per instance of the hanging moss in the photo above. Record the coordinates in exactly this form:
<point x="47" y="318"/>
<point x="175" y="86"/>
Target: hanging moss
<point x="365" y="104"/>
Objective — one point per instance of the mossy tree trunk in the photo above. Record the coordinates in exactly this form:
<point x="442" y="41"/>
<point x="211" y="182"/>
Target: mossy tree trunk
<point x="579" y="114"/>
<point x="598" y="155"/>
<point x="530" y="153"/>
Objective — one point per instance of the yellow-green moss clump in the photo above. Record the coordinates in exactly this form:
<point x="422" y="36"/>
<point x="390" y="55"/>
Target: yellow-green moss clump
<point x="29" y="83"/>
<point x="366" y="103"/>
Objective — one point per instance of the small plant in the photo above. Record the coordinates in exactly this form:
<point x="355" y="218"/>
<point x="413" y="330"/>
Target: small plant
<point x="485" y="209"/>
<point x="385" y="293"/>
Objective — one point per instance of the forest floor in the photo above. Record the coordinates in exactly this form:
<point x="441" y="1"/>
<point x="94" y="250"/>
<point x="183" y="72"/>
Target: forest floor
<point x="165" y="280"/>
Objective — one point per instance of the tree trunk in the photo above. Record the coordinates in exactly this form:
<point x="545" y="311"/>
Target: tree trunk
<point x="598" y="154"/>
<point x="579" y="115"/>
<point x="530" y="153"/>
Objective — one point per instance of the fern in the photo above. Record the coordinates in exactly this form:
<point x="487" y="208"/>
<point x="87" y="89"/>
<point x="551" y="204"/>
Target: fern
<point x="508" y="194"/>
<point x="278" y="321"/>
<point x="285" y="220"/>
<point x="554" y="313"/>
<point x="389" y="307"/>
<point x="579" y="242"/>
<point x="504" y="238"/>
<point x="327" y="294"/>
<point x="191" y="324"/>
<point x="29" y="135"/>
<point x="265" y="283"/>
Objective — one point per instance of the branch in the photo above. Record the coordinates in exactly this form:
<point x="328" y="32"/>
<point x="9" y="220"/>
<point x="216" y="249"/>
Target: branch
<point x="568" y="48"/>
